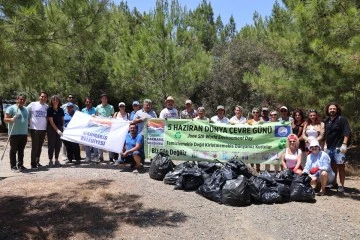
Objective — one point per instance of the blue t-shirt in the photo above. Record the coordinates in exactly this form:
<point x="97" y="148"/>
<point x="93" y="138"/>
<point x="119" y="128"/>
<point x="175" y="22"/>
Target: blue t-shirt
<point x="21" y="120"/>
<point x="68" y="117"/>
<point x="131" y="142"/>
<point x="57" y="116"/>
<point x="90" y="111"/>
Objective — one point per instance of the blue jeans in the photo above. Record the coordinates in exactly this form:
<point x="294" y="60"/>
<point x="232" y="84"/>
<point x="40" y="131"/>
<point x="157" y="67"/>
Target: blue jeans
<point x="336" y="156"/>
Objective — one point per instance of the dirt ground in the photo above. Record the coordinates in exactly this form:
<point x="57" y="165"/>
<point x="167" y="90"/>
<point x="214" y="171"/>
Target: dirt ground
<point x="101" y="201"/>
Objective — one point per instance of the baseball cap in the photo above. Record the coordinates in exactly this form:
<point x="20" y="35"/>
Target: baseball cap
<point x="188" y="101"/>
<point x="265" y="109"/>
<point x="103" y="95"/>
<point x="220" y="107"/>
<point x="70" y="104"/>
<point x="284" y="107"/>
<point x="121" y="104"/>
<point x="135" y="103"/>
<point x="292" y="137"/>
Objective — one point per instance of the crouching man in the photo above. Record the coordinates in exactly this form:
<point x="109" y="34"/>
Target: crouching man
<point x="133" y="151"/>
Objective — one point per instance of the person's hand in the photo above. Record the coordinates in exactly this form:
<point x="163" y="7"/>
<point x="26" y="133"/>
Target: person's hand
<point x="295" y="169"/>
<point x="59" y="132"/>
<point x="343" y="148"/>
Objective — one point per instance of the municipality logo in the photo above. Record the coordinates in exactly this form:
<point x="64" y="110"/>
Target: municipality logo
<point x="282" y="131"/>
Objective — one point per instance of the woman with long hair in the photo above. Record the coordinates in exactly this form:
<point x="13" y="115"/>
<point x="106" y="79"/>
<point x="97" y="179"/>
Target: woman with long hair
<point x="55" y="115"/>
<point x="314" y="129"/>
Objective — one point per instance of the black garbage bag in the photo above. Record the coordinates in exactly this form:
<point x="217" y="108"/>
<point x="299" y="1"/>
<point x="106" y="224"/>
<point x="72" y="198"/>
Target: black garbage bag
<point x="286" y="176"/>
<point x="208" y="167"/>
<point x="256" y="186"/>
<point x="171" y="177"/>
<point x="240" y="168"/>
<point x="270" y="194"/>
<point x="284" y="191"/>
<point x="190" y="179"/>
<point x="160" y="166"/>
<point x="235" y="192"/>
<point x="212" y="186"/>
<point x="301" y="190"/>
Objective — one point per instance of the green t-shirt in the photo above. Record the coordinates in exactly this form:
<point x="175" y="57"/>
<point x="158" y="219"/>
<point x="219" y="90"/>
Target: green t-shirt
<point x="104" y="111"/>
<point x="21" y="121"/>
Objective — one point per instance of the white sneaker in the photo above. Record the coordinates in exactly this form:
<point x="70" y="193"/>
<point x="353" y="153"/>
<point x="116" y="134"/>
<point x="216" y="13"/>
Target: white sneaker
<point x="87" y="159"/>
<point x="341" y="189"/>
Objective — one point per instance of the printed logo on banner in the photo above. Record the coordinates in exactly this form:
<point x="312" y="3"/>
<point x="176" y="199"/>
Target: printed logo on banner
<point x="282" y="131"/>
<point x="156" y="132"/>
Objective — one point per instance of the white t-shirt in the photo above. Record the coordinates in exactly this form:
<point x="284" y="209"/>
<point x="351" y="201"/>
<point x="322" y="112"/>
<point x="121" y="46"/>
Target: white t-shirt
<point x="216" y="119"/>
<point x="169" y="113"/>
<point x="235" y="120"/>
<point x="38" y="115"/>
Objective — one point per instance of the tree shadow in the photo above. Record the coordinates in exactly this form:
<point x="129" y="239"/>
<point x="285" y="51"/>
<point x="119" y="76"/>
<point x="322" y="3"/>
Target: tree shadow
<point x="70" y="211"/>
<point x="353" y="193"/>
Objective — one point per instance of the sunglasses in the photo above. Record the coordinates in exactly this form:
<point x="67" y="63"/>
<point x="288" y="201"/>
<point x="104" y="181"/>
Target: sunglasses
<point x="291" y="141"/>
<point x="255" y="112"/>
<point x="273" y="115"/>
<point x="121" y="106"/>
<point x="70" y="97"/>
<point x="283" y="110"/>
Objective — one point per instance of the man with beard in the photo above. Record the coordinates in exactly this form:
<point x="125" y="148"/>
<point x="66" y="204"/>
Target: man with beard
<point x="337" y="133"/>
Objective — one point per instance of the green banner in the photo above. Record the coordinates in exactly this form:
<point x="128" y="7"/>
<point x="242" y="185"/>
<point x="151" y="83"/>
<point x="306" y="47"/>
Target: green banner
<point x="200" y="140"/>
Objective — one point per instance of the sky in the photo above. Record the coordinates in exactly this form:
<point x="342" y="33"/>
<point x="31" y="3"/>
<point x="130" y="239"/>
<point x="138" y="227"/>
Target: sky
<point x="242" y="10"/>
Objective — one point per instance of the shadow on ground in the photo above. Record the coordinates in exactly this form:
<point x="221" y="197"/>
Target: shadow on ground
<point x="66" y="213"/>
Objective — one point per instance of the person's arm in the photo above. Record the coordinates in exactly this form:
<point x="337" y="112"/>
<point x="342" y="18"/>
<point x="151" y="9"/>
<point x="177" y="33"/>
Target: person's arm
<point x="8" y="118"/>
<point x="298" y="160"/>
<point x="283" y="163"/>
<point x="304" y="133"/>
<point x="325" y="162"/>
<point x="307" y="165"/>
<point x="321" y="132"/>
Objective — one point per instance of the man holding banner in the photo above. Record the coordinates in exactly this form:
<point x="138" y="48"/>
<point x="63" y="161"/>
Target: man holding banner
<point x="142" y="115"/>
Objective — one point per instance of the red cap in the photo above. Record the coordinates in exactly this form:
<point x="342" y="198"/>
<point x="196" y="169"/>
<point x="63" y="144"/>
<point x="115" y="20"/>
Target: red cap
<point x="292" y="137"/>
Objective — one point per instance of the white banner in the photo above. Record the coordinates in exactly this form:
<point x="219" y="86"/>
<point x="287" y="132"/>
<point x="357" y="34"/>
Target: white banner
<point x="102" y="133"/>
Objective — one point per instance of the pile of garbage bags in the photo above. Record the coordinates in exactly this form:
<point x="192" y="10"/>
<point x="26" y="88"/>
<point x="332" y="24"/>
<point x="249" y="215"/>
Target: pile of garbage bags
<point x="232" y="183"/>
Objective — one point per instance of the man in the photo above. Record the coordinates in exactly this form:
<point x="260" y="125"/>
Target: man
<point x="337" y="133"/>
<point x="104" y="110"/>
<point x="70" y="99"/>
<point x="72" y="148"/>
<point x="38" y="123"/>
<point x="189" y="112"/>
<point x="169" y="111"/>
<point x="133" y="150"/>
<point x="201" y="114"/>
<point x="143" y="114"/>
<point x="285" y="115"/>
<point x="17" y="117"/>
<point x="89" y="109"/>
<point x="220" y="115"/>
<point x="136" y="107"/>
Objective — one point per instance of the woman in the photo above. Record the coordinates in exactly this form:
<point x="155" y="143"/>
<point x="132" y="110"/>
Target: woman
<point x="255" y="120"/>
<point x="72" y="148"/>
<point x="122" y="114"/>
<point x="201" y="114"/>
<point x="298" y="126"/>
<point x="291" y="158"/>
<point x="55" y="116"/>
<point x="318" y="166"/>
<point x="238" y="117"/>
<point x="314" y="128"/>
<point x="255" y="117"/>
<point x="273" y="118"/>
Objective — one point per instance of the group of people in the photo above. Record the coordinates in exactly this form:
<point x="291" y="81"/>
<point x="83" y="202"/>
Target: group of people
<point x="324" y="142"/>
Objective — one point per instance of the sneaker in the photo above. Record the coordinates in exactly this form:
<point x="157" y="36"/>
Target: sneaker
<point x="139" y="169"/>
<point x="51" y="164"/>
<point x="111" y="160"/>
<point x="39" y="165"/>
<point x="341" y="189"/>
<point x="118" y="162"/>
<point x="15" y="169"/>
<point x="77" y="162"/>
<point x="22" y="168"/>
<point x="334" y="186"/>
<point x="321" y="193"/>
<point x="101" y="159"/>
<point x="87" y="159"/>
<point x="57" y="163"/>
<point x="34" y="166"/>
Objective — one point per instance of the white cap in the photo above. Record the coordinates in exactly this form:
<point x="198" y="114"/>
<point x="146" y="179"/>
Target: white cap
<point x="314" y="143"/>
